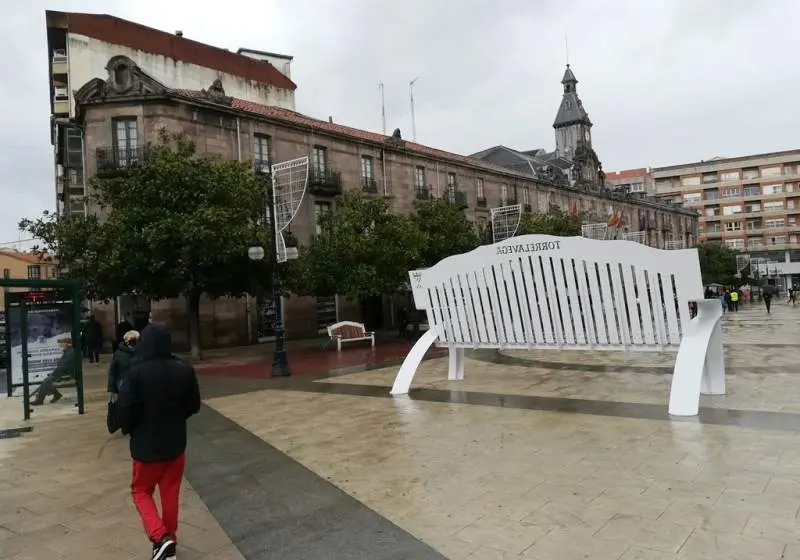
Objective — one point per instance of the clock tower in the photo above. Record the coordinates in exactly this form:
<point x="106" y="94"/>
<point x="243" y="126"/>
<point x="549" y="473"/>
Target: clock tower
<point x="573" y="130"/>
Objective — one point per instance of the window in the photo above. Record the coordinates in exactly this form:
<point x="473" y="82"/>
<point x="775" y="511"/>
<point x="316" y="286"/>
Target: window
<point x="525" y="196"/>
<point x="261" y="145"/>
<point x="750" y="173"/>
<point x="751" y="208"/>
<point x="636" y="187"/>
<point x="6" y="273"/>
<point x="126" y="139"/>
<point x="712" y="211"/>
<point x="773" y="189"/>
<point x="775" y="223"/>
<point x="788" y="169"/>
<point x="773" y="206"/>
<point x="367" y="168"/>
<point x="751" y="190"/>
<point x="714" y="228"/>
<point x="771" y="171"/>
<point x="730" y="192"/>
<point x="776" y="240"/>
<point x="731" y="210"/>
<point x="712" y="194"/>
<point x="451" y="181"/>
<point x="692" y="197"/>
<point x="690" y="181"/>
<point x="319" y="159"/>
<point x="753" y="224"/>
<point x="503" y="193"/>
<point x="735" y="243"/>
<point x="733" y="226"/>
<point x="34" y="272"/>
<point x="320" y="209"/>
<point x="709" y="177"/>
<point x="419" y="177"/>
<point x="480" y="188"/>
<point x="729" y="176"/>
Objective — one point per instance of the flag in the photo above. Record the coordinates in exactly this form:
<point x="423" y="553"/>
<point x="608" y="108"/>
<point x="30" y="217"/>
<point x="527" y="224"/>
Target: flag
<point x="574" y="208"/>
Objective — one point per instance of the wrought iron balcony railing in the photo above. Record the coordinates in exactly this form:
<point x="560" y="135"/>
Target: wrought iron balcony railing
<point x="369" y="185"/>
<point x="115" y="159"/>
<point x="324" y="181"/>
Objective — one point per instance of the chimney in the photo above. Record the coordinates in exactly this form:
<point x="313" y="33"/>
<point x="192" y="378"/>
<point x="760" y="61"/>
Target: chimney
<point x="330" y="120"/>
<point x="179" y="33"/>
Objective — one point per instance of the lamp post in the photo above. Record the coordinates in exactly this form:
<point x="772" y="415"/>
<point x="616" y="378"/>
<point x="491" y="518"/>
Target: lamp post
<point x="280" y="364"/>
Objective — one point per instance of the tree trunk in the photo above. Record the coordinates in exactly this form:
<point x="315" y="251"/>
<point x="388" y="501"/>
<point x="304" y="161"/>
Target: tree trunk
<point x="193" y="304"/>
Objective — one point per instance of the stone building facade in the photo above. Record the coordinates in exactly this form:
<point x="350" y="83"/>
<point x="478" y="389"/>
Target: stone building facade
<point x="342" y="158"/>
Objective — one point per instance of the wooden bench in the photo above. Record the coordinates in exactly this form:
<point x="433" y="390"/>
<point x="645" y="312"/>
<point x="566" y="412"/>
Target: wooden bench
<point x="349" y="331"/>
<point x="573" y="293"/>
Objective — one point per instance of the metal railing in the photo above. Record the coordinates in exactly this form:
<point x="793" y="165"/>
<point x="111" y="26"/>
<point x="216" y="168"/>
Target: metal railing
<point x="119" y="158"/>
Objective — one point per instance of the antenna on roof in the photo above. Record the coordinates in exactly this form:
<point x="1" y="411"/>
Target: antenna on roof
<point x="413" y="117"/>
<point x="383" y="107"/>
<point x="566" y="45"/>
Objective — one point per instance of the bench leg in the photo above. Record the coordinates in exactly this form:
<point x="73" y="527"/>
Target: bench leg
<point x="455" y="368"/>
<point x="402" y="383"/>
<point x="338" y="344"/>
<point x="372" y="338"/>
<point x="699" y="365"/>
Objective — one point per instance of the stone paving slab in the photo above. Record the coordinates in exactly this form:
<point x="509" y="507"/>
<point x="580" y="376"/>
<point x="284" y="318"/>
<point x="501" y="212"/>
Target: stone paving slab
<point x="480" y="482"/>
<point x="62" y="499"/>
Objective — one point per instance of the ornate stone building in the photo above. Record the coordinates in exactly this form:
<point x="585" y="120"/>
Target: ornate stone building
<point x="127" y="98"/>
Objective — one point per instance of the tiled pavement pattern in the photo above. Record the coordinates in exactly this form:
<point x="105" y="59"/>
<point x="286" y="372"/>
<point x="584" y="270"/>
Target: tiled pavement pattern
<point x="64" y="495"/>
<point x="524" y="479"/>
<point x="484" y="482"/>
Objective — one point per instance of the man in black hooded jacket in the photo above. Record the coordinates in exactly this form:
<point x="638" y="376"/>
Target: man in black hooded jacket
<point x="158" y="393"/>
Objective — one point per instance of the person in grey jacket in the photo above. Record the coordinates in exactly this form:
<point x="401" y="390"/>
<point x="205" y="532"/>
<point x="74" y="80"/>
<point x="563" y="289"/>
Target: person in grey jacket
<point x="120" y="362"/>
<point x="65" y="369"/>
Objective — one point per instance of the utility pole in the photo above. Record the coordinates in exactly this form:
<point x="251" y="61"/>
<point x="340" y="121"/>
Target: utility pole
<point x="413" y="117"/>
<point x="383" y="107"/>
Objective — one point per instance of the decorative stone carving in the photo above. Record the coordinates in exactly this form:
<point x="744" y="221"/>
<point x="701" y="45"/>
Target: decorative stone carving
<point x="122" y="75"/>
<point x="216" y="93"/>
<point x="396" y="139"/>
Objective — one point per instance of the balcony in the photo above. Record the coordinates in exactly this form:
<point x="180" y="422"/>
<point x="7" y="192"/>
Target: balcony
<point x="526" y="208"/>
<point x="59" y="62"/>
<point x="324" y="181"/>
<point x="116" y="161"/>
<point x="369" y="185"/>
<point x="457" y="198"/>
<point x="509" y="201"/>
<point x="422" y="193"/>
<point x="481" y="202"/>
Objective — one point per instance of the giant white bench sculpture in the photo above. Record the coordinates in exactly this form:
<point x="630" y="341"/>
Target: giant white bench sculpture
<point x="572" y="293"/>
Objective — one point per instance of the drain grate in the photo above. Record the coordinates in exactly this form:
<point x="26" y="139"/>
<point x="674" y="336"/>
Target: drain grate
<point x="14" y="432"/>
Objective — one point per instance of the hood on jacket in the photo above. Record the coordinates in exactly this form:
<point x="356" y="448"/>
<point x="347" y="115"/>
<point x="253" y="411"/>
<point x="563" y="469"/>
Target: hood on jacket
<point x="154" y="343"/>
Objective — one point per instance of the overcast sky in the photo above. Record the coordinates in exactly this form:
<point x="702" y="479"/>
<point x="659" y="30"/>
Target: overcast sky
<point x="664" y="81"/>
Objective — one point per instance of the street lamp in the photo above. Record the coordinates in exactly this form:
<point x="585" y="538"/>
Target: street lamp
<point x="280" y="363"/>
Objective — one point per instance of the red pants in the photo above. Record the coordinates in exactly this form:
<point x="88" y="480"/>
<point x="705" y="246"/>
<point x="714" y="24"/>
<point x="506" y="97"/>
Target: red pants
<point x="167" y="475"/>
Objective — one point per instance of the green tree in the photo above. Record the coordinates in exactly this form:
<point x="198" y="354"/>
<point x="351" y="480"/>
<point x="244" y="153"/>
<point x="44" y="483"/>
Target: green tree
<point x="447" y="231"/>
<point x="555" y="222"/>
<point x="718" y="264"/>
<point x="363" y="250"/>
<point x="176" y="225"/>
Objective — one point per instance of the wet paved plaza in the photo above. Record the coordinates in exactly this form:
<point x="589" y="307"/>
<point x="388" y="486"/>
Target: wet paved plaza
<point x="534" y="455"/>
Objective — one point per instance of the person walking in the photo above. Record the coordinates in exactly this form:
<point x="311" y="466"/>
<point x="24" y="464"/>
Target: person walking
<point x="121" y="362"/>
<point x="158" y="394"/>
<point x="766" y="295"/>
<point x="122" y="327"/>
<point x="735" y="299"/>
<point x="94" y="339"/>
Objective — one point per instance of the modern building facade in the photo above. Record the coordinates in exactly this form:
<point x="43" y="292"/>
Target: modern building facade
<point x="750" y="203"/>
<point x="631" y="181"/>
<point x="81" y="46"/>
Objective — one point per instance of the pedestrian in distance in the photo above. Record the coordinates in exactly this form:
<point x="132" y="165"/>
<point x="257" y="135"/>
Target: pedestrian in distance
<point x="158" y="394"/>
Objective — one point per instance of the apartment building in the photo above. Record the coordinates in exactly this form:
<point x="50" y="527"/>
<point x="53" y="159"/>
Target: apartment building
<point x="751" y="203"/>
<point x="82" y="47"/>
<point x="342" y="158"/>
<point x="631" y="181"/>
<point x="24" y="266"/>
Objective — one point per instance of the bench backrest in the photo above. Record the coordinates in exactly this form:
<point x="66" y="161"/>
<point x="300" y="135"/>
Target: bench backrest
<point x="347" y="329"/>
<point x="540" y="291"/>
